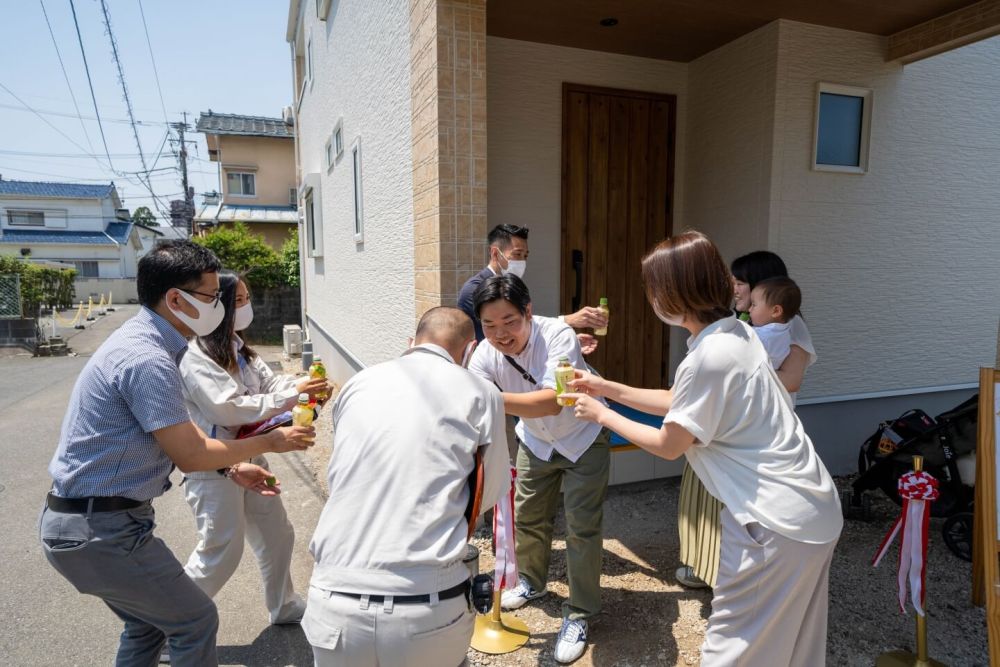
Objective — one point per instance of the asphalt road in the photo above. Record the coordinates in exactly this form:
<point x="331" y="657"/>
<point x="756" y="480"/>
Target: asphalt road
<point x="46" y="622"/>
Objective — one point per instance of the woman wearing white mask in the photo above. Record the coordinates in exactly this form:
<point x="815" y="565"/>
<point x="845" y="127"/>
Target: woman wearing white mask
<point x="227" y="385"/>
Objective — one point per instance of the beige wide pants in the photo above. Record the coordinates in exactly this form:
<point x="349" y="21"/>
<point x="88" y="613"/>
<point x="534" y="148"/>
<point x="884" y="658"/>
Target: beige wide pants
<point x="349" y="632"/>
<point x="771" y="600"/>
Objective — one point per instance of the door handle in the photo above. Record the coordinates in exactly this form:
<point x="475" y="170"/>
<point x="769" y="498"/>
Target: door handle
<point x="577" y="259"/>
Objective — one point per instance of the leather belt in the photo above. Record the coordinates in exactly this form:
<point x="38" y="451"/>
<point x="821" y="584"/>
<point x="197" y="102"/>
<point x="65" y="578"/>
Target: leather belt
<point x="447" y="594"/>
<point x="92" y="504"/>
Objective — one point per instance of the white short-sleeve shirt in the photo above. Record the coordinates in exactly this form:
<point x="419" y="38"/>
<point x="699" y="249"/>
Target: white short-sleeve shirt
<point x="777" y="340"/>
<point x="549" y="340"/>
<point x="752" y="452"/>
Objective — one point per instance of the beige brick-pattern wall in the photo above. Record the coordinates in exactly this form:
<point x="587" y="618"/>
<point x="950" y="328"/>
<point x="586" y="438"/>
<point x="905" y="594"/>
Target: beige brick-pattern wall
<point x="448" y="94"/>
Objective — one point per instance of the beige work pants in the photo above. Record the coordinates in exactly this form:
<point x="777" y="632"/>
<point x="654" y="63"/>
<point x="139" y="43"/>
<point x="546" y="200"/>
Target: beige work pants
<point x="348" y="632"/>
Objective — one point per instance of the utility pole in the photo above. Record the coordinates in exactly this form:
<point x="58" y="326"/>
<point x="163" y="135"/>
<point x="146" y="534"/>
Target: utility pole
<point x="182" y="157"/>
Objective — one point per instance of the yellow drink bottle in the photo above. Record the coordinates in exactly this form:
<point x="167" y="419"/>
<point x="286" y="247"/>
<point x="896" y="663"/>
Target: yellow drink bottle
<point x="318" y="370"/>
<point x="302" y="414"/>
<point x="603" y="331"/>
<point x="564" y="374"/>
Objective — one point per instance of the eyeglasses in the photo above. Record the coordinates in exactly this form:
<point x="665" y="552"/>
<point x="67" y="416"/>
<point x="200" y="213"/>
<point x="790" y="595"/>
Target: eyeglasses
<point x="216" y="297"/>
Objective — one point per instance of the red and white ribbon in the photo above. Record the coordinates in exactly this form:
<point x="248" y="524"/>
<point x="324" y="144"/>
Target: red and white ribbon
<point x="505" y="570"/>
<point x="917" y="489"/>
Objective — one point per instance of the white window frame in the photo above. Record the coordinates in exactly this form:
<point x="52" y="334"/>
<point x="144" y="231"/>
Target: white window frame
<point x="329" y="159"/>
<point x="309" y="60"/>
<point x="358" y="199"/>
<point x="338" y="139"/>
<point x="866" y="122"/>
<point x="12" y="212"/>
<point x="233" y="172"/>
<point x="312" y="216"/>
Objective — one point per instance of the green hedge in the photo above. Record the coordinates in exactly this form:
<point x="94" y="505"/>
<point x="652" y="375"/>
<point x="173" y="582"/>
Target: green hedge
<point x="40" y="285"/>
<point x="246" y="253"/>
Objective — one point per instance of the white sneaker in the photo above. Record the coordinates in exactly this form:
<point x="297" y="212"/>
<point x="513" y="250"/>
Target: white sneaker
<point x="572" y="640"/>
<point x="686" y="576"/>
<point x="520" y="595"/>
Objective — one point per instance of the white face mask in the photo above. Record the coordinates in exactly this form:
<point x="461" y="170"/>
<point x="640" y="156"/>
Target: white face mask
<point x="243" y="317"/>
<point x="209" y="316"/>
<point x="515" y="267"/>
<point x="672" y="320"/>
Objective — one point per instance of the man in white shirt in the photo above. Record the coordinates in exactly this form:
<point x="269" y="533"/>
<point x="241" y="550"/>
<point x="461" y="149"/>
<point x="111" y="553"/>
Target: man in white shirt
<point x="555" y="451"/>
<point x="389" y="586"/>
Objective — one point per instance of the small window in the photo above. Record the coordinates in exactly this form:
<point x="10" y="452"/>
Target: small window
<point x="312" y="215"/>
<point x="86" y="269"/>
<point x="293" y="198"/>
<point x="359" y="211"/>
<point x="328" y="155"/>
<point x="26" y="218"/>
<point x="843" y="126"/>
<point x="338" y="139"/>
<point x="241" y="184"/>
<point x="309" y="60"/>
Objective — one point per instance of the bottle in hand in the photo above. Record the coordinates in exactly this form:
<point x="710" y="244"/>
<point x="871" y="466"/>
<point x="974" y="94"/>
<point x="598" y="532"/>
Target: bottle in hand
<point x="565" y="373"/>
<point x="603" y="331"/>
<point x="302" y="413"/>
<point x="318" y="370"/>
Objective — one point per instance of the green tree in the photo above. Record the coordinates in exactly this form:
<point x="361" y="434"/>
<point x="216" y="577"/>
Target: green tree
<point x="246" y="253"/>
<point x="144" y="216"/>
<point x="290" y="258"/>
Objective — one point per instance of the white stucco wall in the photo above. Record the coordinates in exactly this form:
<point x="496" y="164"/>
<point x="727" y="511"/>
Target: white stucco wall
<point x="524" y="144"/>
<point x="729" y="142"/>
<point x="67" y="214"/>
<point x="898" y="266"/>
<point x="361" y="294"/>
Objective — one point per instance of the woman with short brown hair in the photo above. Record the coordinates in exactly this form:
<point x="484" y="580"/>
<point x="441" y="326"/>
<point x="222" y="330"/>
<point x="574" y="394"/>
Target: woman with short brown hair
<point x="728" y="415"/>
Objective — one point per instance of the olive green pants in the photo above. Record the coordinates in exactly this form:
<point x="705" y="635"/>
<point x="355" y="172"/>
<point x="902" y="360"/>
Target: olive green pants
<point x="584" y="485"/>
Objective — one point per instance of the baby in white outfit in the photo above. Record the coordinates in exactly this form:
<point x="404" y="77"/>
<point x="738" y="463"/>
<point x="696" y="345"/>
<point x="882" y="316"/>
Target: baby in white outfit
<point x="773" y="304"/>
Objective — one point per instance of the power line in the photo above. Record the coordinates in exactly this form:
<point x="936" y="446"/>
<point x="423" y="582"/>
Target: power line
<point x="156" y="74"/>
<point x="61" y="155"/>
<point x="90" y="82"/>
<point x="66" y="114"/>
<point x="128" y="101"/>
<point x="62" y="66"/>
<point x="43" y="119"/>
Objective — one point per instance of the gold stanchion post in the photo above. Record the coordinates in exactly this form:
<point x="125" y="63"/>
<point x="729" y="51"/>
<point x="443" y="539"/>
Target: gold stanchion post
<point x="499" y="632"/>
<point x="905" y="658"/>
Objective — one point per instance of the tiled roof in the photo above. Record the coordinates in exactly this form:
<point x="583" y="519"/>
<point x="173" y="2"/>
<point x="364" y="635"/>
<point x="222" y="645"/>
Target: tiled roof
<point x="257" y="126"/>
<point x="59" y="190"/>
<point x="248" y="213"/>
<point x="114" y="232"/>
<point x="119" y="231"/>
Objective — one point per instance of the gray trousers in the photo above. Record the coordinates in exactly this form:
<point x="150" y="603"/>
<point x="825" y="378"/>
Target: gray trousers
<point x="114" y="556"/>
<point x="770" y="603"/>
<point x="348" y="632"/>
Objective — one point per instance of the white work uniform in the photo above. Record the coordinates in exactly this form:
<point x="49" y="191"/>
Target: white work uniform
<point x="226" y="513"/>
<point x="782" y="516"/>
<point x="776" y="338"/>
<point x="405" y="436"/>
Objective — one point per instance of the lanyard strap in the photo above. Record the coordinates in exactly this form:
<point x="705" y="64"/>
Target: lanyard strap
<point x="517" y="367"/>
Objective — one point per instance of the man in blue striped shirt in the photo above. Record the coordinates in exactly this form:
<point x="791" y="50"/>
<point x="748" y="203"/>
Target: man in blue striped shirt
<point x="125" y="429"/>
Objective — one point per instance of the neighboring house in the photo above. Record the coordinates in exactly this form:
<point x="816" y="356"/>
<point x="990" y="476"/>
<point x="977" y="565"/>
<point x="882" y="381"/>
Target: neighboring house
<point x="70" y="223"/>
<point x="256" y="159"/>
<point x="149" y="236"/>
<point x="862" y="146"/>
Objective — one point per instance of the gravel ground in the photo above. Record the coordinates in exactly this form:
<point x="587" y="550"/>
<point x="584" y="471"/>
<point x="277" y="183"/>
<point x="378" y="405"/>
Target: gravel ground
<point x="649" y="619"/>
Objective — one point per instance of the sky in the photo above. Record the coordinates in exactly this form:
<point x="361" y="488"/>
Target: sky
<point x="229" y="56"/>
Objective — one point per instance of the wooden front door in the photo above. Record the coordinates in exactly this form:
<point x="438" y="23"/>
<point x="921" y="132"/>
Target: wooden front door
<point x="617" y="181"/>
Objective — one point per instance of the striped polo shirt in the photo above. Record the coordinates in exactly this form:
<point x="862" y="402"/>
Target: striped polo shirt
<point x="129" y="388"/>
